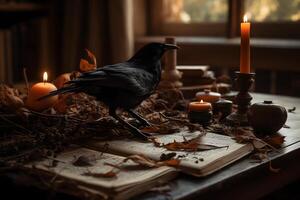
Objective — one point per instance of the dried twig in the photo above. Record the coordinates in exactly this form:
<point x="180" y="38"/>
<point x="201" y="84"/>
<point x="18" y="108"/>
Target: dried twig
<point x="26" y="79"/>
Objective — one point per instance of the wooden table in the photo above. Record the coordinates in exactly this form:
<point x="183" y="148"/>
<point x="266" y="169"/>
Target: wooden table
<point x="246" y="179"/>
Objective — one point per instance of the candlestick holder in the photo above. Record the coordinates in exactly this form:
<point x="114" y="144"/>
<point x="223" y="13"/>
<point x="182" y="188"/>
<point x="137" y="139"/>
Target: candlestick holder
<point x="243" y="99"/>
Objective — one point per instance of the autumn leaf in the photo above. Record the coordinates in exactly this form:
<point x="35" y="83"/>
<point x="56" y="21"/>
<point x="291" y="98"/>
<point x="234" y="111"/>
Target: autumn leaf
<point x="85" y="65"/>
<point x="193" y="144"/>
<point x="275" y="140"/>
<point x="85" y="160"/>
<point x="141" y="160"/>
<point x="167" y="156"/>
<point x="109" y="174"/>
<point x="9" y="98"/>
<point x="147" y="162"/>
<point x="92" y="57"/>
<point x="150" y="129"/>
<point x="165" y="128"/>
<point x="171" y="163"/>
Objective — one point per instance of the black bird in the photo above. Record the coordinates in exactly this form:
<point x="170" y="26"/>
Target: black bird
<point x="123" y="85"/>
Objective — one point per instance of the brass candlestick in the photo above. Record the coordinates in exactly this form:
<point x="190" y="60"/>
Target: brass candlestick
<point x="243" y="99"/>
<point x="170" y="75"/>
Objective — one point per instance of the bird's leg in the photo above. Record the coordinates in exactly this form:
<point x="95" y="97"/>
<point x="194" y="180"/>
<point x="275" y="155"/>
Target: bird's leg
<point x="132" y="129"/>
<point x="138" y="117"/>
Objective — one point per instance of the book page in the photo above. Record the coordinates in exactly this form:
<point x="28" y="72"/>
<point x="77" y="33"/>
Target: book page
<point x="196" y="163"/>
<point x="124" y="178"/>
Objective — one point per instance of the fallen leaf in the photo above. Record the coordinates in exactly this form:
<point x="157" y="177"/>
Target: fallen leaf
<point x="291" y="110"/>
<point x="147" y="162"/>
<point x="109" y="174"/>
<point x="275" y="140"/>
<point x="193" y="144"/>
<point x="141" y="160"/>
<point x="171" y="163"/>
<point x="85" y="160"/>
<point x="167" y="156"/>
<point x="165" y="128"/>
<point x="85" y="65"/>
<point x="150" y="129"/>
<point x="9" y="98"/>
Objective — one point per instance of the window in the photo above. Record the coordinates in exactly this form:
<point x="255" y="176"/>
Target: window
<point x="195" y="11"/>
<point x="189" y="17"/>
<point x="221" y="18"/>
<point x="273" y="10"/>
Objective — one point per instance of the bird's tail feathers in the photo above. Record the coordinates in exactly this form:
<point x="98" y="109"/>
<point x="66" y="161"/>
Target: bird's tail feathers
<point x="61" y="91"/>
<point x="85" y="80"/>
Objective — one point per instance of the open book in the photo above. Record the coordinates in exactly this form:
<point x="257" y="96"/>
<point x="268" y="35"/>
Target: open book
<point x="86" y="179"/>
<point x="222" y="151"/>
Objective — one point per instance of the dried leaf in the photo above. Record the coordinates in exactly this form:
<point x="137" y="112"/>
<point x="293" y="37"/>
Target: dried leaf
<point x="193" y="144"/>
<point x="92" y="57"/>
<point x="85" y="160"/>
<point x="167" y="156"/>
<point x="259" y="156"/>
<point x="150" y="129"/>
<point x="165" y="128"/>
<point x="171" y="163"/>
<point x="9" y="98"/>
<point x="275" y="140"/>
<point x="85" y="65"/>
<point x="62" y="79"/>
<point x="109" y="174"/>
<point x="141" y="160"/>
<point x="147" y="162"/>
<point x="291" y="110"/>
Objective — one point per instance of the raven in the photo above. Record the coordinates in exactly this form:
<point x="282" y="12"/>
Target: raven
<point x="124" y="85"/>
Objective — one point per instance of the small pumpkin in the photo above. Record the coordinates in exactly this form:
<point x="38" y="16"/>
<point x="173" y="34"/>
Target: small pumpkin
<point x="266" y="117"/>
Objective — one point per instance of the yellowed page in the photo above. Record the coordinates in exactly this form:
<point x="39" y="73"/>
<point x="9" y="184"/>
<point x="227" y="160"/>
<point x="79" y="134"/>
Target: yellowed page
<point x="125" y="178"/>
<point x="197" y="163"/>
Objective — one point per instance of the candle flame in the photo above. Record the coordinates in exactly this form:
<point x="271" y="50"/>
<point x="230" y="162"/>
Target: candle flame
<point x="45" y="77"/>
<point x="201" y="101"/>
<point x="245" y="18"/>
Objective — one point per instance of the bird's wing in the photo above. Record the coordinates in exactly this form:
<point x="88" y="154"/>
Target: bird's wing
<point x="118" y="76"/>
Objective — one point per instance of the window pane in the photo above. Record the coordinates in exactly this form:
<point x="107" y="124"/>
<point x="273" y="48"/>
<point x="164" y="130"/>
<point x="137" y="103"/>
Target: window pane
<point x="273" y="10"/>
<point x="193" y="11"/>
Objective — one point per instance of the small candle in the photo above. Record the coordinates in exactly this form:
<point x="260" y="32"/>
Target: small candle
<point x="200" y="106"/>
<point x="39" y="90"/>
<point x="200" y="112"/>
<point x="208" y="96"/>
<point x="245" y="46"/>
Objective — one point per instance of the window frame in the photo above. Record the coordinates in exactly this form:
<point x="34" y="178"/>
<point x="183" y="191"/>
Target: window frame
<point x="229" y="29"/>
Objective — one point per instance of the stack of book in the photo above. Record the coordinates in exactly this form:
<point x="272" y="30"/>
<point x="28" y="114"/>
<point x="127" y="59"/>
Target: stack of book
<point x="196" y="78"/>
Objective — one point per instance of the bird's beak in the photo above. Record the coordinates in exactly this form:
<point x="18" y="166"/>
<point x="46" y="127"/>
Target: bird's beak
<point x="171" y="46"/>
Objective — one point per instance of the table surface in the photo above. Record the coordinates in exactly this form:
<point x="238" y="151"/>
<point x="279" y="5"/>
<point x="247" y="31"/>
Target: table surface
<point x="243" y="179"/>
<point x="246" y="178"/>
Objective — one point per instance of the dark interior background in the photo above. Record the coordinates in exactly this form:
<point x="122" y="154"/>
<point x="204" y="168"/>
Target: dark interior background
<point x="51" y="35"/>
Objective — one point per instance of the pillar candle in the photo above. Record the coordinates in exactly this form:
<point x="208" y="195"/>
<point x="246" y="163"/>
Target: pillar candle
<point x="245" y="46"/>
<point x="39" y="90"/>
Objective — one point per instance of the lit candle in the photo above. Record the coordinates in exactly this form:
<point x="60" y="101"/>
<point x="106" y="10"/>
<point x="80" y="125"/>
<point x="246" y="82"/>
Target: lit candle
<point x="199" y="106"/>
<point x="245" y="46"/>
<point x="200" y="112"/>
<point x="39" y="90"/>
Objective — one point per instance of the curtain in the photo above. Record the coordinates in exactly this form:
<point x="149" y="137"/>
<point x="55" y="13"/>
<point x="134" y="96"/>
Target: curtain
<point x="105" y="27"/>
